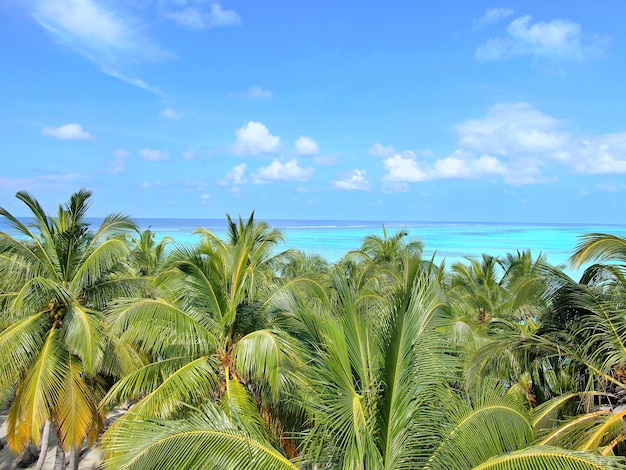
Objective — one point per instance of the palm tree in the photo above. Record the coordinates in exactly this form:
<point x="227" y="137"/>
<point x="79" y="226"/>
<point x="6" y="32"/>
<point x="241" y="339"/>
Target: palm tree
<point x="148" y="255"/>
<point x="212" y="339"/>
<point x="56" y="278"/>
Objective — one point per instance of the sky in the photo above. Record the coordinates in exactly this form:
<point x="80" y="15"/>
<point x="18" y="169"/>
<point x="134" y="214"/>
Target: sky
<point x="358" y="110"/>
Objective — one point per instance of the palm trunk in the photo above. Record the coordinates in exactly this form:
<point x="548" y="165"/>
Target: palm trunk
<point x="45" y="440"/>
<point x="73" y="458"/>
<point x="59" y="461"/>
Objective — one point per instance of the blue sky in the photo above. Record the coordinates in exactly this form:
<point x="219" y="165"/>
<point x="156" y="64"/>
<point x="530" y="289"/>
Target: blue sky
<point x="396" y="110"/>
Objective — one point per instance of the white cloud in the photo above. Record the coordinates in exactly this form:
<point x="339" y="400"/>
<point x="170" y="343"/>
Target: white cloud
<point x="516" y="143"/>
<point x="195" y="16"/>
<point x="149" y="185"/>
<point x="513" y="129"/>
<point x="357" y="180"/>
<point x="154" y="155"/>
<point x="37" y="183"/>
<point x="605" y="154"/>
<point x="492" y="15"/>
<point x="236" y="176"/>
<point x="325" y="160"/>
<point x="256" y="93"/>
<point x="254" y="138"/>
<point x="558" y="39"/>
<point x="278" y="171"/>
<point x="529" y="139"/>
<point x="120" y="159"/>
<point x="189" y="154"/>
<point x="379" y="150"/>
<point x="306" y="146"/>
<point x="169" y="113"/>
<point x="461" y="165"/>
<point x="68" y="132"/>
<point x="109" y="38"/>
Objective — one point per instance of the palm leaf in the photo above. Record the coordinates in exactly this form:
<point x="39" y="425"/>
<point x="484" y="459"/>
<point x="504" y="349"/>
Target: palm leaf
<point x="76" y="413"/>
<point x="38" y="394"/>
<point x="82" y="333"/>
<point x="495" y="421"/>
<point x="207" y="439"/>
<point x="552" y="458"/>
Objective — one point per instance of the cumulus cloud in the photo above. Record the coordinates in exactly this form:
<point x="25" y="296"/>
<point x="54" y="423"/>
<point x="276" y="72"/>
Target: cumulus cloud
<point x="406" y="169"/>
<point x="513" y="142"/>
<point x="68" y="132"/>
<point x="306" y="146"/>
<point x="559" y="39"/>
<point x="236" y="176"/>
<point x="279" y="171"/>
<point x="513" y="129"/>
<point x="169" y="113"/>
<point x="379" y="150"/>
<point x="256" y="93"/>
<point x="357" y="180"/>
<point x="111" y="39"/>
<point x="254" y="138"/>
<point x="194" y="15"/>
<point x="492" y="15"/>
<point x="604" y="154"/>
<point x="154" y="155"/>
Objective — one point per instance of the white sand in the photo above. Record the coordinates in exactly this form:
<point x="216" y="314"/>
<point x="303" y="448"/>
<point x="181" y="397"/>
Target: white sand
<point x="88" y="461"/>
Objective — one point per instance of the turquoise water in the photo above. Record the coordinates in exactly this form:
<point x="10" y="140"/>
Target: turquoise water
<point x="451" y="241"/>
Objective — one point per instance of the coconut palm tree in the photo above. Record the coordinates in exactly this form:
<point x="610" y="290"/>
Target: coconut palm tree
<point x="148" y="255"/>
<point x="211" y="339"/>
<point x="380" y="383"/>
<point x="56" y="278"/>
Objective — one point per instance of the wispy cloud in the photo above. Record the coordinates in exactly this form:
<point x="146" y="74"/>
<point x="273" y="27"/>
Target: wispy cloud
<point x="57" y="181"/>
<point x="194" y="14"/>
<point x="68" y="132"/>
<point x="113" y="40"/>
<point x="492" y="15"/>
<point x="255" y="92"/>
<point x="154" y="155"/>
<point x="559" y="39"/>
<point x="379" y="150"/>
<point x="120" y="160"/>
<point x="169" y="113"/>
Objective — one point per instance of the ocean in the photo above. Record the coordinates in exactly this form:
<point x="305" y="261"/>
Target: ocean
<point x="449" y="241"/>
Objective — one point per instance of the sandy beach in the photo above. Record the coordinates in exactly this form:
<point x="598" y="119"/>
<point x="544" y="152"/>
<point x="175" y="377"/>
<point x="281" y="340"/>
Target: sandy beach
<point x="89" y="460"/>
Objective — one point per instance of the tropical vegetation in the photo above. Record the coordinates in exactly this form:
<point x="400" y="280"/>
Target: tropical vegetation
<point x="231" y="353"/>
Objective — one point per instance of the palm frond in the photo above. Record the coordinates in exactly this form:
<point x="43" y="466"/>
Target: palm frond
<point x="552" y="458"/>
<point x="207" y="439"/>
<point x="82" y="333"/>
<point x="76" y="412"/>
<point x="155" y="326"/>
<point x="163" y="386"/>
<point x="493" y="420"/>
<point x="37" y="395"/>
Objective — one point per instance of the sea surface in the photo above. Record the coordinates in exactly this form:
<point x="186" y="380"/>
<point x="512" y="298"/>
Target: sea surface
<point x="449" y="241"/>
